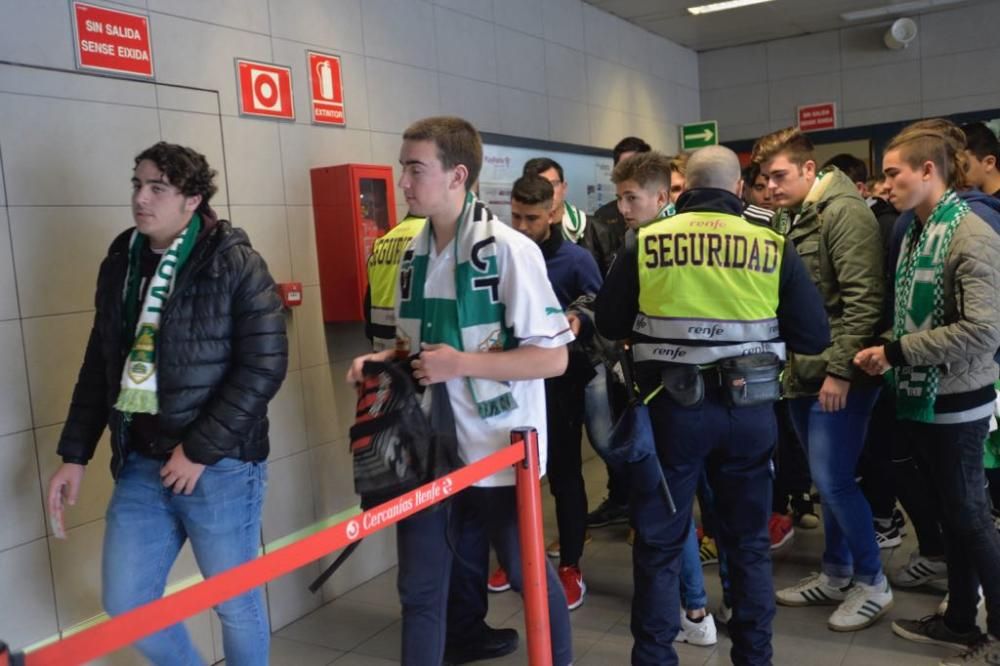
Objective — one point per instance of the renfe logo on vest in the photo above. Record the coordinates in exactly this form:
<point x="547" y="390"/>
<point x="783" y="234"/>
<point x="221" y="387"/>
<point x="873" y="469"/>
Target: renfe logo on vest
<point x="711" y="250"/>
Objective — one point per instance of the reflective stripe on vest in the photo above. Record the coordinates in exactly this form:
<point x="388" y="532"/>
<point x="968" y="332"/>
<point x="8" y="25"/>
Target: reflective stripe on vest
<point x="383" y="267"/>
<point x="707" y="276"/>
<point x="665" y="351"/>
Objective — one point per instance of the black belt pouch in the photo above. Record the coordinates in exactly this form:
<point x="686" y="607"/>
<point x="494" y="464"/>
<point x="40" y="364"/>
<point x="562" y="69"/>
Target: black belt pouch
<point x="684" y="384"/>
<point x="751" y="380"/>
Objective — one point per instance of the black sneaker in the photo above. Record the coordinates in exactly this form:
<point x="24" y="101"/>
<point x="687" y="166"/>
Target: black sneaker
<point x="932" y="629"/>
<point x="490" y="643"/>
<point x="608" y="513"/>
<point x="899" y="521"/>
<point x="804" y="512"/>
<point x="887" y="534"/>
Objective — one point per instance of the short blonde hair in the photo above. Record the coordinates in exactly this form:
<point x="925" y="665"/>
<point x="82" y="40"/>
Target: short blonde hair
<point x="791" y="141"/>
<point x="643" y="168"/>
<point x="679" y="163"/>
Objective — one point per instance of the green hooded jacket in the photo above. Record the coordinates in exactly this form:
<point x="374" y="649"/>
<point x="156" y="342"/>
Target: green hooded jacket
<point x="837" y="237"/>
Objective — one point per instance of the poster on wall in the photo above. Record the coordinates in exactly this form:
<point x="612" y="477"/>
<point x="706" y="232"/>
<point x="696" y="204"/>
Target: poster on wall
<point x="587" y="177"/>
<point x="326" y="88"/>
<point x="496" y="196"/>
<point x="112" y="40"/>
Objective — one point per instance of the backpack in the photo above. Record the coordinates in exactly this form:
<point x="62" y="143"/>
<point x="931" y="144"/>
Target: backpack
<point x="394" y="445"/>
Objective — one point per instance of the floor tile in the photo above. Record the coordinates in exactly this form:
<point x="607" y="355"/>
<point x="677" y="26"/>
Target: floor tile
<point x="342" y="625"/>
<point x="365" y="621"/>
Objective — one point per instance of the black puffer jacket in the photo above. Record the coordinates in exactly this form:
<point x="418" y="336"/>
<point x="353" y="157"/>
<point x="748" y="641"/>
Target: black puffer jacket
<point x="222" y="355"/>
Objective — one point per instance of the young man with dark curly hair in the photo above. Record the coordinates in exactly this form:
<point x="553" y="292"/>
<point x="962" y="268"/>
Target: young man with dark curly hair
<point x="187" y="348"/>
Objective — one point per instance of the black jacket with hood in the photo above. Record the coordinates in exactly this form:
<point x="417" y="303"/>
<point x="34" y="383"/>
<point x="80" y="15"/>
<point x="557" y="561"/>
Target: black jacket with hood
<point x="222" y="354"/>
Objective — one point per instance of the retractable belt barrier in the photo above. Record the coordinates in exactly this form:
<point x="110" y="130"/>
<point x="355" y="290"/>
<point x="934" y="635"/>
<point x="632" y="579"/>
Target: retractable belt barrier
<point x="125" y="629"/>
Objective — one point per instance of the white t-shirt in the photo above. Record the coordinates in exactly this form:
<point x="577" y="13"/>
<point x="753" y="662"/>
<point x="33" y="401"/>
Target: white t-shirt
<point x="534" y="314"/>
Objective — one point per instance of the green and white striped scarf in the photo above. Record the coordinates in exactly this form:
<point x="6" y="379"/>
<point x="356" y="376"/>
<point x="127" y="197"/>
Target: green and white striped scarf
<point x="141" y="325"/>
<point x="920" y="301"/>
<point x="474" y="321"/>
<point x="574" y="221"/>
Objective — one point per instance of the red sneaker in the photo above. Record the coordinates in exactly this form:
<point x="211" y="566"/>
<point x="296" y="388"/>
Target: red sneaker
<point x="780" y="529"/>
<point x="498" y="582"/>
<point x="572" y="582"/>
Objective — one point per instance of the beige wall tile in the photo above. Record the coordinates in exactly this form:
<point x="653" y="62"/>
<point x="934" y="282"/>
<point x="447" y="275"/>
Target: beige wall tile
<point x="59" y="252"/>
<point x="322" y="425"/>
<point x="289" y="503"/>
<point x="29" y="613"/>
<point x="286" y="414"/>
<point x="15" y="411"/>
<point x="21" y="514"/>
<point x="55" y="347"/>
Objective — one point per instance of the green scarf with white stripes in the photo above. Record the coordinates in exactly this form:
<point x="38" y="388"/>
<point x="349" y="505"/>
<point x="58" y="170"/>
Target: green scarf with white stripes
<point x="920" y="301"/>
<point x="475" y="320"/>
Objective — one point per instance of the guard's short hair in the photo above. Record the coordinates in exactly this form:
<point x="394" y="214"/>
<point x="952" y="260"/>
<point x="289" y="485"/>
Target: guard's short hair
<point x="853" y="167"/>
<point x="185" y="168"/>
<point x="791" y="141"/>
<point x="457" y="142"/>
<point x="539" y="165"/>
<point x="647" y="168"/>
<point x="532" y="190"/>
<point x="713" y="166"/>
<point x="981" y="141"/>
<point x="630" y="144"/>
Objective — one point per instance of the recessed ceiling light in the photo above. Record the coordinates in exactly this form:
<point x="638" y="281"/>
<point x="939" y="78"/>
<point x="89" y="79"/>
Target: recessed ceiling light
<point x="722" y="6"/>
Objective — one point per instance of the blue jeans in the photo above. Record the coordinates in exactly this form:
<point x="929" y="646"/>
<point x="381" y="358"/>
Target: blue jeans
<point x="598" y="421"/>
<point x="693" y="595"/>
<point x="833" y="442"/>
<point x="735" y="445"/>
<point x="146" y="526"/>
<point x="427" y="543"/>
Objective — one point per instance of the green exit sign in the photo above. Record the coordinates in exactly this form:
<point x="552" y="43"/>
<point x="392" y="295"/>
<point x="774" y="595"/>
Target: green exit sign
<point x="699" y="135"/>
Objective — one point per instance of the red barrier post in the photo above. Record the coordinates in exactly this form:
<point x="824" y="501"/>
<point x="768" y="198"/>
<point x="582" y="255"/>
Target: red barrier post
<point x="533" y="562"/>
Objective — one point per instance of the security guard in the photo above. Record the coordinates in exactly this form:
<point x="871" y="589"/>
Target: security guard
<point x="709" y="300"/>
<point x="383" y="265"/>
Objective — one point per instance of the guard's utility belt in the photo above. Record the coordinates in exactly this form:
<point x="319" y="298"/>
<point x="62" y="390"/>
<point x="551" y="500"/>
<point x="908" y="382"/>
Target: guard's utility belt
<point x="745" y="381"/>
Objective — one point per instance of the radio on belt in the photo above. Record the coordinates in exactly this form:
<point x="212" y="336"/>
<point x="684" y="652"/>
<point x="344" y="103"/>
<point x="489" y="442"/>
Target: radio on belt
<point x="291" y="294"/>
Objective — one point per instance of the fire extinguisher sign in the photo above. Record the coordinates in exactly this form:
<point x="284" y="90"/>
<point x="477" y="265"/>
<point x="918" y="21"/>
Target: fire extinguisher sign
<point x="327" y="88"/>
<point x="265" y="90"/>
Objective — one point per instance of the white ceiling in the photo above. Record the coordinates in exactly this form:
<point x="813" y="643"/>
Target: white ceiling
<point x="771" y="20"/>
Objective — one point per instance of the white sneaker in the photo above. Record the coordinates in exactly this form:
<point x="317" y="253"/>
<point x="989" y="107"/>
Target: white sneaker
<point x="863" y="606"/>
<point x="816" y="590"/>
<point x="920" y="571"/>
<point x="697" y="633"/>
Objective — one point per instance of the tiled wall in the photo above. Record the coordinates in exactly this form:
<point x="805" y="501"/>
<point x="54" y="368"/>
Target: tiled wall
<point x="754" y="89"/>
<point x="551" y="69"/>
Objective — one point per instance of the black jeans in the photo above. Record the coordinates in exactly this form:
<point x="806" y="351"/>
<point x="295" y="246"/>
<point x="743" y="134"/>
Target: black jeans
<point x="792" y="469"/>
<point x="875" y="467"/>
<point x="475" y="518"/>
<point x="951" y="458"/>
<point x="735" y="446"/>
<point x="564" y="398"/>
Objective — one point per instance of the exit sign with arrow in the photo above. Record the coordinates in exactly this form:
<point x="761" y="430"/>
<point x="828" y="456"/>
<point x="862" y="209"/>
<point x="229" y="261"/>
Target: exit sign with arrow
<point x="699" y="135"/>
